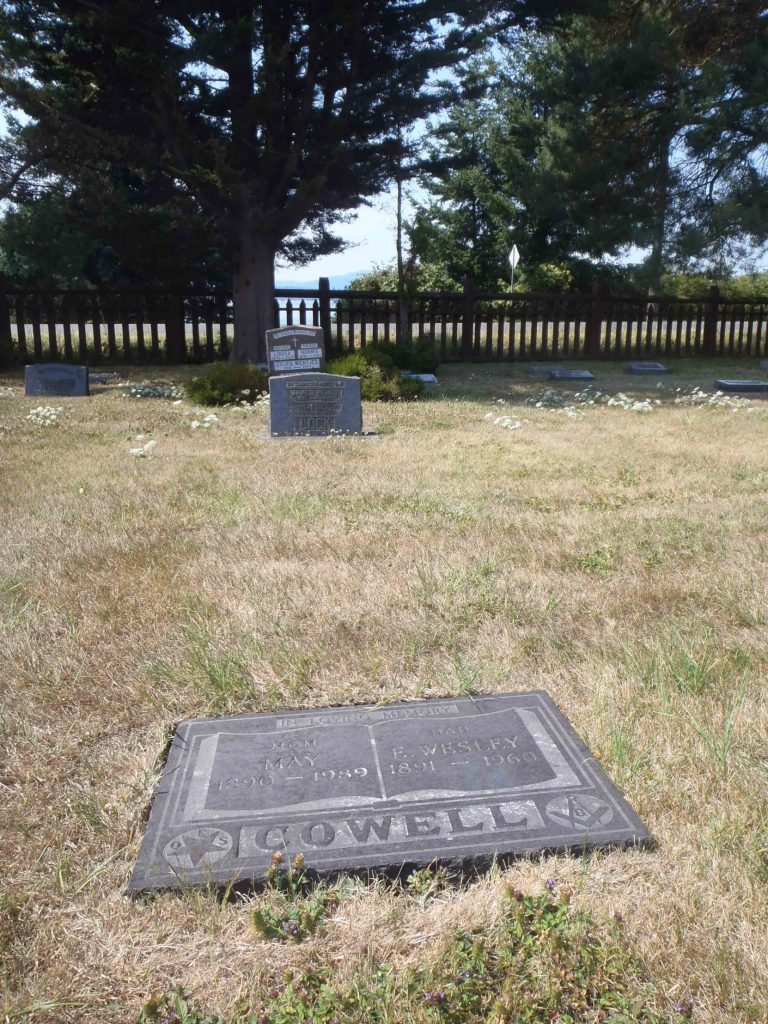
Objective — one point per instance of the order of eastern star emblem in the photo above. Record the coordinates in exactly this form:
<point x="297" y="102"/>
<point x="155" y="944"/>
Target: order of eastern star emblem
<point x="579" y="811"/>
<point x="200" y="847"/>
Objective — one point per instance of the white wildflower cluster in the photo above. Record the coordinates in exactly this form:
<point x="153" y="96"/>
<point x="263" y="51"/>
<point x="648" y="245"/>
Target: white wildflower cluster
<point x="552" y="398"/>
<point x="208" y="421"/>
<point x="45" y="415"/>
<point x="152" y="389"/>
<point x="145" y="451"/>
<point x="256" y="404"/>
<point x="622" y="401"/>
<point x="507" y="422"/>
<point x="713" y="399"/>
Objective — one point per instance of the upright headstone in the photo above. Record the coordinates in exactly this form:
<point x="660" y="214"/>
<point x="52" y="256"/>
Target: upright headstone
<point x="295" y="349"/>
<point x="380" y="787"/>
<point x="60" y="380"/>
<point x="314" y="405"/>
<point x="646" y="368"/>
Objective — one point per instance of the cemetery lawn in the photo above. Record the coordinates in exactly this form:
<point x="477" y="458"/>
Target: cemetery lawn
<point x="616" y="558"/>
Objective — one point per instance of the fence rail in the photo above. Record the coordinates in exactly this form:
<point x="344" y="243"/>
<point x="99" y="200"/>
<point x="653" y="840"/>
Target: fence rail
<point x="155" y="325"/>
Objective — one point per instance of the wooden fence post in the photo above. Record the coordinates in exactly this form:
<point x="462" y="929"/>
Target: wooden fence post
<point x="325" y="315"/>
<point x="6" y="334"/>
<point x="175" y="329"/>
<point x="594" y="325"/>
<point x="711" y="315"/>
<point x="468" y="318"/>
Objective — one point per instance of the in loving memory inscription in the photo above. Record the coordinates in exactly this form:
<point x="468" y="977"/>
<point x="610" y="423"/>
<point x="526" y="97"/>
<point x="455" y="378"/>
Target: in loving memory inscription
<point x="377" y="788"/>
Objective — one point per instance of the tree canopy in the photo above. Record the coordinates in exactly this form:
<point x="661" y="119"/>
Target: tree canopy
<point x="271" y="119"/>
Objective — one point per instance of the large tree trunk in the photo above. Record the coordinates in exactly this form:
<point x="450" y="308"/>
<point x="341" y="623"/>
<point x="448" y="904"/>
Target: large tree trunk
<point x="254" y="295"/>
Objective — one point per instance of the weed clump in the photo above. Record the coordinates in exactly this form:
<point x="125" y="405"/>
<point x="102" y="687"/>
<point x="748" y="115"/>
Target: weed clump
<point x="228" y="384"/>
<point x="292" y="909"/>
<point x="380" y="379"/>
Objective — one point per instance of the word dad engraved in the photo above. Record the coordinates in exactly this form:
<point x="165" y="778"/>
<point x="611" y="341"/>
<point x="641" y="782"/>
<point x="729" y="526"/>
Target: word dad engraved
<point x="293" y="349"/>
<point x="377" y="788"/>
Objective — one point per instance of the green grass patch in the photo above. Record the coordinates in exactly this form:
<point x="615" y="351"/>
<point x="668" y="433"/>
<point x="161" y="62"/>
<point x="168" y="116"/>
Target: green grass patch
<point x="541" y="961"/>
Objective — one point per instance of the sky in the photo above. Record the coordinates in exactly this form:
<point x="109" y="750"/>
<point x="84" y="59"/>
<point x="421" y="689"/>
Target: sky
<point x="372" y="242"/>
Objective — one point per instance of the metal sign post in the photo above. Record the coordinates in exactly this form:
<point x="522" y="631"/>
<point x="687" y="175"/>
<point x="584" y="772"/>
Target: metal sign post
<point x="514" y="259"/>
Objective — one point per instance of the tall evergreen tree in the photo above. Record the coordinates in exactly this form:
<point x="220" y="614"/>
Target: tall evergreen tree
<point x="642" y="124"/>
<point x="273" y="117"/>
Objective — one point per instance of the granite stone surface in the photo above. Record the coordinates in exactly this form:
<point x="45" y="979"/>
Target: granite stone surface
<point x="741" y="385"/>
<point x="295" y="349"/>
<point x="571" y="375"/>
<point x="314" y="405"/>
<point x="649" y="368"/>
<point x="377" y="788"/>
<point x="60" y="380"/>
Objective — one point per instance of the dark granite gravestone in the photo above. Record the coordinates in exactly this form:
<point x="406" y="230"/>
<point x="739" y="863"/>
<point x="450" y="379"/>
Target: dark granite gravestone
<point x="314" y="405"/>
<point x="295" y="349"/>
<point x="741" y="385"/>
<point x="382" y="787"/>
<point x="539" y="369"/>
<point x="60" y="380"/>
<point x="571" y="375"/>
<point x="650" y="368"/>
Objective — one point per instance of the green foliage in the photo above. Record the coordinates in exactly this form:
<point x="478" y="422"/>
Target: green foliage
<point x="545" y="277"/>
<point x="380" y="381"/>
<point x="227" y="384"/>
<point x="744" y="287"/>
<point x="292" y="908"/>
<point x="539" y="962"/>
<point x="420" y="276"/>
<point x="175" y="1007"/>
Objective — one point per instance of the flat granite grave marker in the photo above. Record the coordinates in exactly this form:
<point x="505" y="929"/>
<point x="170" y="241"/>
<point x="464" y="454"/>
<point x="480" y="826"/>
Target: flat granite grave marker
<point x="60" y="380"/>
<point x="295" y="349"/>
<point x="377" y="788"/>
<point x="650" y="368"/>
<point x="314" y="405"/>
<point x="742" y="385"/>
<point x="571" y="375"/>
<point x="539" y="369"/>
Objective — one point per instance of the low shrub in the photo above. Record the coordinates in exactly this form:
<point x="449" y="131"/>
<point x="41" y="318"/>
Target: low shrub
<point x="378" y="383"/>
<point x="227" y="384"/>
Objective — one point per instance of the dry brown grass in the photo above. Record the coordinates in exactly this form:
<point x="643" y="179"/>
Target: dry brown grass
<point x="618" y="562"/>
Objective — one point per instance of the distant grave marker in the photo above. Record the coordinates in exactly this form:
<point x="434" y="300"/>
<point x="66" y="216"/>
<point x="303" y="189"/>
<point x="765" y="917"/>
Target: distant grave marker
<point x="742" y="385"/>
<point x="571" y="375"/>
<point x="649" y="368"/>
<point x="60" y="380"/>
<point x="539" y="369"/>
<point x="314" y="405"/>
<point x="295" y="349"/>
<point x="377" y="787"/>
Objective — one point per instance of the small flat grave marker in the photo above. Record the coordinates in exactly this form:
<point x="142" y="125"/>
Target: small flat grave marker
<point x="649" y="368"/>
<point x="377" y="788"/>
<point x="314" y="405"/>
<point x="741" y="385"/>
<point x="60" y="380"/>
<point x="539" y="369"/>
<point x="571" y="375"/>
<point x="295" y="349"/>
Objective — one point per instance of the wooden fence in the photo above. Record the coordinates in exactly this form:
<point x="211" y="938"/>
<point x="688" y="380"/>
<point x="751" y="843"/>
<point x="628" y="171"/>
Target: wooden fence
<point x="152" y="325"/>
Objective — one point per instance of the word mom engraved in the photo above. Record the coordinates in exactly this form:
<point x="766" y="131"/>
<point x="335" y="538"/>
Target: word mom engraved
<point x="377" y="788"/>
